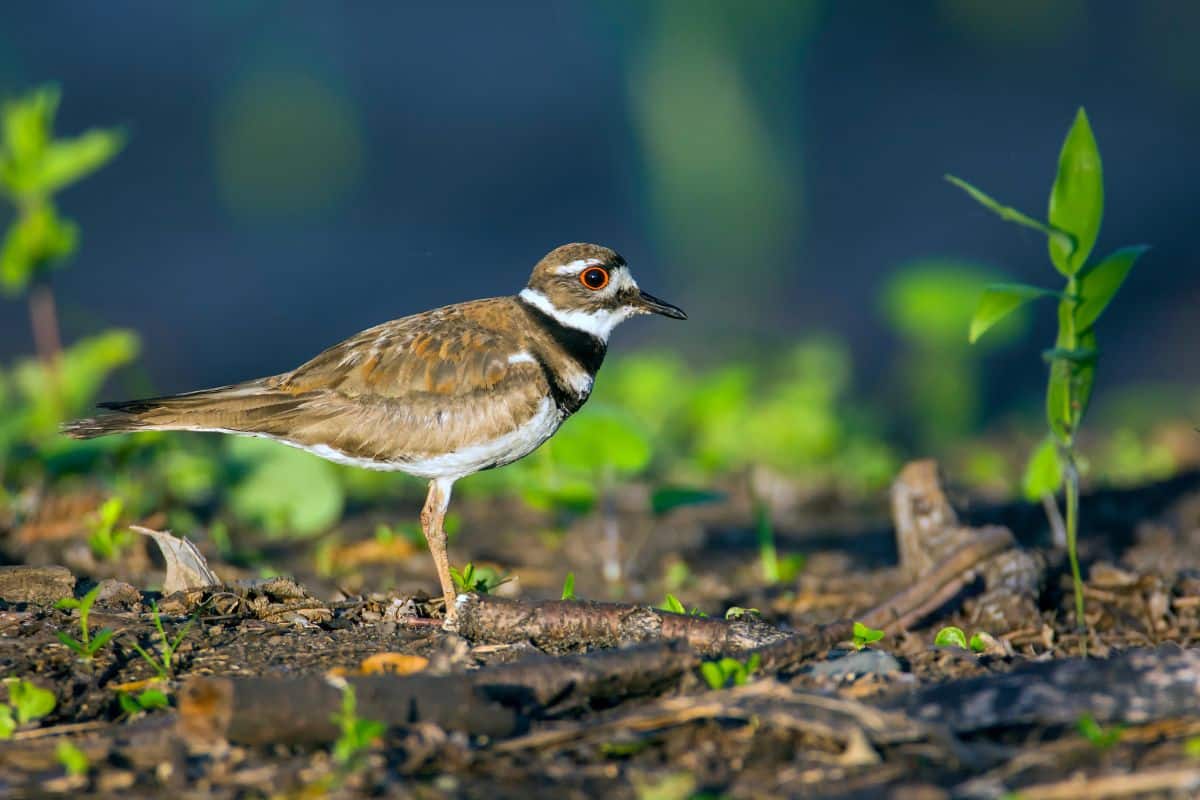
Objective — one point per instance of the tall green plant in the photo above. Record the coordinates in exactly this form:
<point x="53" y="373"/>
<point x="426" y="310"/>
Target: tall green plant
<point x="34" y="166"/>
<point x="1073" y="222"/>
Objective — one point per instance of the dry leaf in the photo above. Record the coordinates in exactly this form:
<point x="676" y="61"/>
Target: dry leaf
<point x="186" y="568"/>
<point x="393" y="664"/>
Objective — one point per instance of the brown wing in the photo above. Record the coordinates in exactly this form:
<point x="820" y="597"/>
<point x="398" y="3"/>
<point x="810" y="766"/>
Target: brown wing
<point x="423" y="385"/>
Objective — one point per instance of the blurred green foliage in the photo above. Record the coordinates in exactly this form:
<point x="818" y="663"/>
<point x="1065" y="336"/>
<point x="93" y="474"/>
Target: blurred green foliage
<point x="34" y="165"/>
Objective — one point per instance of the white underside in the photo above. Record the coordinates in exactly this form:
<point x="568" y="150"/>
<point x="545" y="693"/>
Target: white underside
<point x="451" y="466"/>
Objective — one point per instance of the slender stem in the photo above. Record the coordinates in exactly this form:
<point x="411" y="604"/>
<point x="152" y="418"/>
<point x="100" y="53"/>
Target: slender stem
<point x="1071" y="474"/>
<point x="43" y="318"/>
<point x="768" y="555"/>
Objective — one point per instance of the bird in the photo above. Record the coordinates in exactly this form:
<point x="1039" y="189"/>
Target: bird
<point x="440" y="395"/>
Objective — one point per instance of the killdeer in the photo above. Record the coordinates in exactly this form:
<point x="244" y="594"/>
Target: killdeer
<point x="440" y="395"/>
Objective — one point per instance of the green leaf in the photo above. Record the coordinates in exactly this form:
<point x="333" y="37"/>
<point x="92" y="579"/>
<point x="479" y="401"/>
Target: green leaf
<point x="152" y="699"/>
<point x="1098" y="284"/>
<point x="1009" y="214"/>
<point x="864" y="635"/>
<point x="1070" y="383"/>
<point x="68" y="160"/>
<point x="978" y="644"/>
<point x="71" y="643"/>
<point x="950" y="636"/>
<point x="713" y="675"/>
<point x="669" y="498"/>
<point x="998" y="301"/>
<point x="1043" y="472"/>
<point x="129" y="704"/>
<point x="568" y="589"/>
<point x="1077" y="197"/>
<point x="30" y="701"/>
<point x="8" y="725"/>
<point x="99" y="640"/>
<point x="673" y="605"/>
<point x="74" y="760"/>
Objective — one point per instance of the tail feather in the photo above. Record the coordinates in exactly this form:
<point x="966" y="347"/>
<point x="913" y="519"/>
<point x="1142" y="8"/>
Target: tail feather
<point x="255" y="407"/>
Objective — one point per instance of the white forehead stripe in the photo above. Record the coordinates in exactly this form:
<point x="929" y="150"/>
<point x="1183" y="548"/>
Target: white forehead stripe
<point x="599" y="323"/>
<point x="577" y="266"/>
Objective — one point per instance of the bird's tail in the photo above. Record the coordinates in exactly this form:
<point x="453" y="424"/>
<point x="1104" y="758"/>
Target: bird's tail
<point x="253" y="407"/>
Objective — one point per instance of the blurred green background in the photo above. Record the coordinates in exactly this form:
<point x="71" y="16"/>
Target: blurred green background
<point x="295" y="172"/>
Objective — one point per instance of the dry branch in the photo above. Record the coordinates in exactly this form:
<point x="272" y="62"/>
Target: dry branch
<point x="493" y="701"/>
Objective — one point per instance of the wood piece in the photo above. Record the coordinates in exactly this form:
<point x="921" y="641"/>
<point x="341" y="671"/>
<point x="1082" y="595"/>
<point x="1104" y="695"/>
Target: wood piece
<point x="38" y="585"/>
<point x="1134" y="687"/>
<point x="493" y="701"/>
<point x="1160" y="782"/>
<point x="565" y="625"/>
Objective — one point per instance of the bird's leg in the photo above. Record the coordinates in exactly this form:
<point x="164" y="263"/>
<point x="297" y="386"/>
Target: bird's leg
<point x="432" y="516"/>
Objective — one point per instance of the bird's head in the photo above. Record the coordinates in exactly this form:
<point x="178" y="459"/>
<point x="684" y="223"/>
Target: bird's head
<point x="590" y="288"/>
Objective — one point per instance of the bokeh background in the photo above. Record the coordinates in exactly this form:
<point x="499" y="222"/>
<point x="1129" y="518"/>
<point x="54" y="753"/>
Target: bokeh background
<point x="297" y="171"/>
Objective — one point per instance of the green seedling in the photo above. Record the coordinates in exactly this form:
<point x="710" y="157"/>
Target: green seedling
<point x="107" y="540"/>
<point x="26" y="702"/>
<point x="672" y="604"/>
<point x="164" y="664"/>
<point x="1191" y="747"/>
<point x="951" y="636"/>
<point x="864" y="636"/>
<point x="148" y="700"/>
<point x="357" y="735"/>
<point x="34" y="166"/>
<point x="481" y="580"/>
<point x="737" y="612"/>
<point x="728" y="672"/>
<point x="1101" y="738"/>
<point x="775" y="569"/>
<point x="87" y="645"/>
<point x="568" y="590"/>
<point x="73" y="760"/>
<point x="1073" y="222"/>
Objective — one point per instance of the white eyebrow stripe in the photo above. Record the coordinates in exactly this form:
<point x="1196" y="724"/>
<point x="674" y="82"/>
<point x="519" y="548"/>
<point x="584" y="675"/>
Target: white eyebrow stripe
<point x="577" y="266"/>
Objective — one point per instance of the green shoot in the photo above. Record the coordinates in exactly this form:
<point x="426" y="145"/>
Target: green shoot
<point x="26" y="702"/>
<point x="727" y="672"/>
<point x="1073" y="223"/>
<point x="358" y="735"/>
<point x="1191" y="747"/>
<point x="672" y="604"/>
<point x="164" y="664"/>
<point x="737" y="612"/>
<point x="87" y="645"/>
<point x="568" y="590"/>
<point x="864" y="636"/>
<point x="73" y="760"/>
<point x="481" y="580"/>
<point x="951" y="636"/>
<point x="1101" y="738"/>
<point x="148" y="700"/>
<point x="106" y="539"/>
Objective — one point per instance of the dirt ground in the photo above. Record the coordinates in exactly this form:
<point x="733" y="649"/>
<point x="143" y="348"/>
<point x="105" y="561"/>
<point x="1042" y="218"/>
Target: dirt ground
<point x="533" y="696"/>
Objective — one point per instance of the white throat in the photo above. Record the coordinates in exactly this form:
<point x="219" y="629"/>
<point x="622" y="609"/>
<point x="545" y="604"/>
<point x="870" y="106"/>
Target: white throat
<point x="598" y="323"/>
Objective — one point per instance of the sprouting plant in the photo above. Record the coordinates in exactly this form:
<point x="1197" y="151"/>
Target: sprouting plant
<point x="106" y="539"/>
<point x="164" y="664"/>
<point x="951" y="636"/>
<point x="1100" y="737"/>
<point x="73" y="760"/>
<point x="863" y="635"/>
<point x="775" y="569"/>
<point x="34" y="166"/>
<point x="147" y="700"/>
<point x="672" y="604"/>
<point x="26" y="703"/>
<point x="727" y="672"/>
<point x="737" y="612"/>
<point x="1073" y="222"/>
<point x="87" y="645"/>
<point x="358" y="735"/>
<point x="481" y="580"/>
<point x="568" y="590"/>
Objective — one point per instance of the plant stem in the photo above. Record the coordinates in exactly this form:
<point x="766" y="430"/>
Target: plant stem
<point x="768" y="555"/>
<point x="1071" y="475"/>
<point x="43" y="318"/>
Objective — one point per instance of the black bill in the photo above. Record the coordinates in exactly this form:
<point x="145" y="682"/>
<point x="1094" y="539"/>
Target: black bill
<point x="655" y="306"/>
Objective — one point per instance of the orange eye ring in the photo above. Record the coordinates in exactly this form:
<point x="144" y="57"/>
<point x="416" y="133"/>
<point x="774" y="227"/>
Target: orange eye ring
<point x="594" y="278"/>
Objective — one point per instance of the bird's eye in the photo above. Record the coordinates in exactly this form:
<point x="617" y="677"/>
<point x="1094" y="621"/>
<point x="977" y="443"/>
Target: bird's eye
<point x="594" y="278"/>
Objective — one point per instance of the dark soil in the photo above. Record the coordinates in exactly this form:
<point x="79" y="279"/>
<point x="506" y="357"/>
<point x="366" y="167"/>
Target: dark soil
<point x="576" y="718"/>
